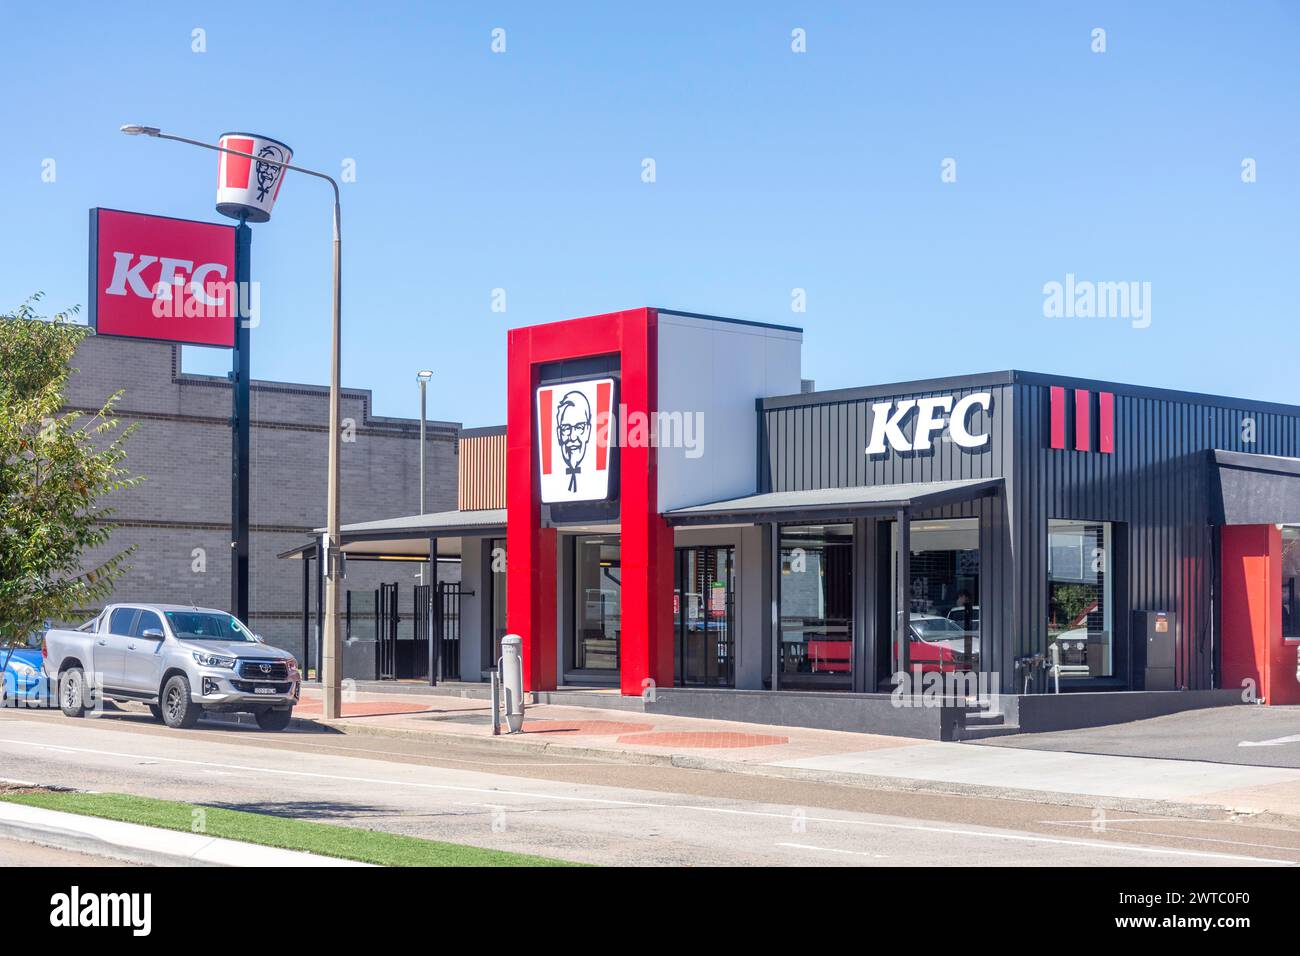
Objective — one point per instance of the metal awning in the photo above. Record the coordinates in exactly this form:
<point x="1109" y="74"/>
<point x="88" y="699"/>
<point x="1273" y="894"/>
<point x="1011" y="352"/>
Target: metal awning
<point x="822" y="503"/>
<point x="409" y="535"/>
<point x="1254" y="489"/>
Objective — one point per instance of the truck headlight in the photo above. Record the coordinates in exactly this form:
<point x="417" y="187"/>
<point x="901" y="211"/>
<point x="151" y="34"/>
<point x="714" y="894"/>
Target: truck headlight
<point x="214" y="660"/>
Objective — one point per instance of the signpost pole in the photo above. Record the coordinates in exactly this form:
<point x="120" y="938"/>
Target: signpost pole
<point x="240" y="425"/>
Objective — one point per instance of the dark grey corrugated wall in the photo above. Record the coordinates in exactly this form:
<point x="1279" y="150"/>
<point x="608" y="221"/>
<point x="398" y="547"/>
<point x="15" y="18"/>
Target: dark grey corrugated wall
<point x="1157" y="484"/>
<point x="810" y="442"/>
<point x="1155" y="487"/>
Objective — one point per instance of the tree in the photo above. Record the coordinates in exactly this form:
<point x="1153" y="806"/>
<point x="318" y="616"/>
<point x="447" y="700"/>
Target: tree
<point x="55" y="467"/>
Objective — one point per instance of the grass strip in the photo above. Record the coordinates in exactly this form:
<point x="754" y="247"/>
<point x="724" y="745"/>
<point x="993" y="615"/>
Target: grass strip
<point x="348" y="843"/>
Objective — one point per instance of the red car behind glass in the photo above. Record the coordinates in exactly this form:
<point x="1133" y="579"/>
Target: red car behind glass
<point x="938" y="644"/>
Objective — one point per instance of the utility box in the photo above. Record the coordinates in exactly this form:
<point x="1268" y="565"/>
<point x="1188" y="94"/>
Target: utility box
<point x="1158" y="630"/>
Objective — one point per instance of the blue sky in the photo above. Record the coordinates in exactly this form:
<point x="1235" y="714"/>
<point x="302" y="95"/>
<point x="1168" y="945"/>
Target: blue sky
<point x="774" y="171"/>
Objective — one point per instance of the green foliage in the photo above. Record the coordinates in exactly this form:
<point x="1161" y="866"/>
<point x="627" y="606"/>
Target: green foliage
<point x="1073" y="600"/>
<point x="55" y="467"/>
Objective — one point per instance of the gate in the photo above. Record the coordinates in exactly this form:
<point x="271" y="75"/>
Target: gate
<point x="422" y="653"/>
<point x="387" y="618"/>
<point x="446" y="636"/>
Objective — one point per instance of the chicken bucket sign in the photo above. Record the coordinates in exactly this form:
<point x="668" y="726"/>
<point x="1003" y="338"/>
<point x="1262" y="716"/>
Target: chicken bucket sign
<point x="247" y="188"/>
<point x="575" y="454"/>
<point x="171" y="280"/>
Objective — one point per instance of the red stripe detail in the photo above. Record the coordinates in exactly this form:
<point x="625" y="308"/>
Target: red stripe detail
<point x="238" y="167"/>
<point x="1082" y="420"/>
<point x="1058" y="416"/>
<point x="546" y="423"/>
<point x="280" y="182"/>
<point x="1106" y="422"/>
<point x="603" y="390"/>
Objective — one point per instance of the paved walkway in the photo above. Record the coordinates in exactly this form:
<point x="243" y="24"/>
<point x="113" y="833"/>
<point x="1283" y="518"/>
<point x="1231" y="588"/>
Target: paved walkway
<point x="135" y="843"/>
<point x="861" y="759"/>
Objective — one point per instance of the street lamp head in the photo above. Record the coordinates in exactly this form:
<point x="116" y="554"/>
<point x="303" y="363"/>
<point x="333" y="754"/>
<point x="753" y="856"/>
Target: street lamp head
<point x="424" y="376"/>
<point x="133" y="130"/>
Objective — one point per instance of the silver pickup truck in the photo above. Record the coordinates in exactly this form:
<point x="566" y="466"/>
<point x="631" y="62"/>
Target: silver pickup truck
<point x="180" y="661"/>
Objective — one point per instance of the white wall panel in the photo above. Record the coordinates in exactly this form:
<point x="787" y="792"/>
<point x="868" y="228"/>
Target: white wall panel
<point x="719" y="368"/>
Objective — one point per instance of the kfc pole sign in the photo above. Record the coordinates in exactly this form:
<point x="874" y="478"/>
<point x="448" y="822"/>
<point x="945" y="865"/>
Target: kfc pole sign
<point x="573" y="435"/>
<point x="172" y="280"/>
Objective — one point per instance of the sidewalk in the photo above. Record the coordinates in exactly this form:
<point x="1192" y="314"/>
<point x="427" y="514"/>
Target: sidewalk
<point x="142" y="844"/>
<point x="1142" y="784"/>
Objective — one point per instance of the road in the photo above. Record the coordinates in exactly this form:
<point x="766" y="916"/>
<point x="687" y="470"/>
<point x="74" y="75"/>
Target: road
<point x="599" y="811"/>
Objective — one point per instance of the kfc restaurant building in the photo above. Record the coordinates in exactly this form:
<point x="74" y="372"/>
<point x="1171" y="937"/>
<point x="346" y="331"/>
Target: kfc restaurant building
<point x="687" y="523"/>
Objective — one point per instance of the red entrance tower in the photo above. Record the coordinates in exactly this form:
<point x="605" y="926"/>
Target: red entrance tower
<point x="646" y="648"/>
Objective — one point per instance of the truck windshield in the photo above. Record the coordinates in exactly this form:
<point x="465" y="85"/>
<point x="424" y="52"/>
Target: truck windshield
<point x="202" y="626"/>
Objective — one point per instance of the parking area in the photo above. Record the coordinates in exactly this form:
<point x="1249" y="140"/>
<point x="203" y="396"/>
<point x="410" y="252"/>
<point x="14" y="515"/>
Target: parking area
<point x="1256" y="736"/>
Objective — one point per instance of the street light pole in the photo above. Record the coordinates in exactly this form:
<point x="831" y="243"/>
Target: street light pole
<point x="332" y="650"/>
<point x="423" y="378"/>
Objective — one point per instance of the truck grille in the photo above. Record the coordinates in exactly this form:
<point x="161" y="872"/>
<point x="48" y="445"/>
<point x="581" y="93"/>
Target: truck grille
<point x="262" y="670"/>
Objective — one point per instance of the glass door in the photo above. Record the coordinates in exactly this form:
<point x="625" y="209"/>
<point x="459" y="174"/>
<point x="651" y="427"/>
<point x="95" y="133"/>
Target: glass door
<point x="598" y="577"/>
<point x="943" y="632"/>
<point x="704" y="588"/>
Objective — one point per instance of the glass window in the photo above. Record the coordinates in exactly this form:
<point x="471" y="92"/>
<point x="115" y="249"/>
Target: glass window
<point x="816" y="645"/>
<point x="208" y="626"/>
<point x="1080" y="608"/>
<point x="120" y="621"/>
<point x="944" y="594"/>
<point x="597" y="602"/>
<point x="497" y="582"/>
<point x="1291" y="581"/>
<point x="146" y="620"/>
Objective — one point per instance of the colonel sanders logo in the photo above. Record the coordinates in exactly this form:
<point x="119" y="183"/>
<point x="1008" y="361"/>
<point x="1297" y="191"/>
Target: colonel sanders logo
<point x="268" y="174"/>
<point x="573" y="430"/>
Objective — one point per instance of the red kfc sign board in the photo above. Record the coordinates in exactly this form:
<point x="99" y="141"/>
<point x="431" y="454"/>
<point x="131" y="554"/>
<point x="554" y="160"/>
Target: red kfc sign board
<point x="152" y="277"/>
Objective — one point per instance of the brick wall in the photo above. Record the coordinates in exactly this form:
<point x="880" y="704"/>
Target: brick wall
<point x="179" y="518"/>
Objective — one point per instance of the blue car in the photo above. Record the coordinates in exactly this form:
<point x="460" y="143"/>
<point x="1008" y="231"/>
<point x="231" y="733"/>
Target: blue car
<point x="24" y="680"/>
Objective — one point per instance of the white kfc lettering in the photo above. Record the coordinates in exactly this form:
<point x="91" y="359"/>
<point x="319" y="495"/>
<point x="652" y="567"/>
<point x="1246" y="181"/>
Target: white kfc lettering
<point x="124" y="272"/>
<point x="961" y="411"/>
<point x="886" y="426"/>
<point x="162" y="289"/>
<point x="933" y="415"/>
<point x="171" y="272"/>
<point x="926" y="422"/>
<point x="199" y="281"/>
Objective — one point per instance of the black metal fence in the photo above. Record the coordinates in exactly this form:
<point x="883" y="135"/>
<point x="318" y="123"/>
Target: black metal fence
<point x="446" y="622"/>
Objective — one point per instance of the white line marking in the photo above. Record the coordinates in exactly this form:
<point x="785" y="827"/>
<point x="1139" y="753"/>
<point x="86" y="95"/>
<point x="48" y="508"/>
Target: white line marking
<point x="645" y="805"/>
<point x="831" y="849"/>
<point x="1276" y="741"/>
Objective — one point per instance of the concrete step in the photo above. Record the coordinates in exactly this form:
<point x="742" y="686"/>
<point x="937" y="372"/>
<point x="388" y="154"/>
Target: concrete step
<point x="981" y="732"/>
<point x="984" y="718"/>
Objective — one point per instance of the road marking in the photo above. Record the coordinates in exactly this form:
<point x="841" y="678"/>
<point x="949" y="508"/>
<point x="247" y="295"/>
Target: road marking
<point x="647" y="805"/>
<point x="831" y="849"/>
<point x="1275" y="742"/>
<point x="1171" y="836"/>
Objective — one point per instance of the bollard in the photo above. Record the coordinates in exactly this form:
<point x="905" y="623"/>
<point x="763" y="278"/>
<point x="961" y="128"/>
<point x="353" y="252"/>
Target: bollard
<point x="512" y="680"/>
<point x="496" y="701"/>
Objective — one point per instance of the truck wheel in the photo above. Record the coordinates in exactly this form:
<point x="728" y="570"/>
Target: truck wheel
<point x="156" y="711"/>
<point x="177" y="708"/>
<point x="72" y="692"/>
<point x="274" y="719"/>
